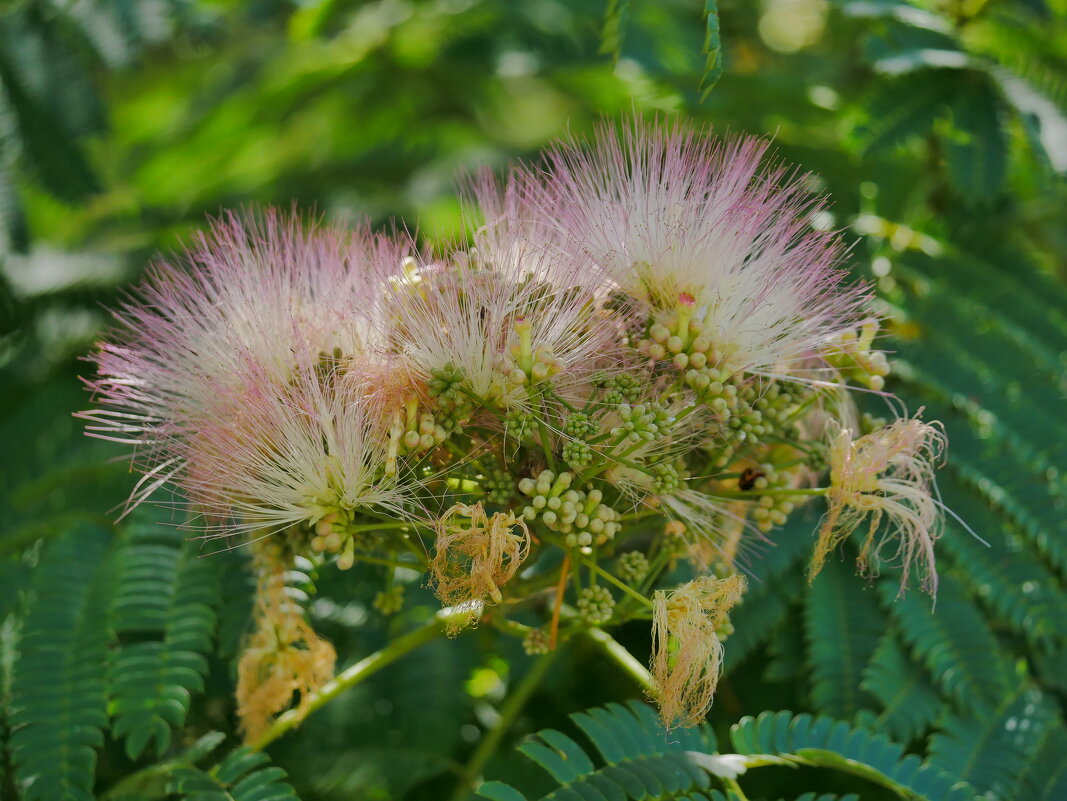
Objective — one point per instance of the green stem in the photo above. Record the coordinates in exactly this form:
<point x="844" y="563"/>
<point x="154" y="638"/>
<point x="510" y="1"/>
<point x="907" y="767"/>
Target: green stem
<point x="684" y="413"/>
<point x="733" y="789"/>
<point x="510" y="627"/>
<point x="508" y="712"/>
<point x="602" y="463"/>
<point x="620" y="656"/>
<point x="384" y="524"/>
<point x="559" y="398"/>
<point x="609" y="457"/>
<point x="786" y="441"/>
<point x="639" y="515"/>
<point x="375" y="560"/>
<point x="546" y="444"/>
<point x="622" y="585"/>
<point x="797" y="412"/>
<point x="363" y="669"/>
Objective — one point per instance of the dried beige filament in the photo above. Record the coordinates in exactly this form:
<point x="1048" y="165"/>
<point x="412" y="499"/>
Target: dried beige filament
<point x="283" y="657"/>
<point x="476" y="554"/>
<point x="687" y="652"/>
<point x="890" y="473"/>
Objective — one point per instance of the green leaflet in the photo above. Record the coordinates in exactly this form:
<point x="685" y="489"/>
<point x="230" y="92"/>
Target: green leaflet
<point x="908" y="106"/>
<point x="977" y="152"/>
<point x="714" y="65"/>
<point x="614" y="32"/>
<point x="842" y="622"/>
<point x="1044" y="771"/>
<point x="59" y="692"/>
<point x="777" y="575"/>
<point x="1008" y="574"/>
<point x="244" y="775"/>
<point x="909" y="703"/>
<point x="825" y="741"/>
<point x="165" y="602"/>
<point x="1001" y="751"/>
<point x="639" y="760"/>
<point x="954" y="641"/>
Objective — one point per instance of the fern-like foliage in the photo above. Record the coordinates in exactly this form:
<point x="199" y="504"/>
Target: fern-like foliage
<point x="48" y="52"/>
<point x="613" y="36"/>
<point x="244" y="775"/>
<point x="956" y="643"/>
<point x="714" y="65"/>
<point x="905" y="107"/>
<point x="977" y="154"/>
<point x="1044" y="777"/>
<point x="164" y="614"/>
<point x="777" y="578"/>
<point x="614" y="31"/>
<point x="908" y="701"/>
<point x="638" y="759"/>
<point x="842" y="623"/>
<point x="825" y="741"/>
<point x="1002" y="750"/>
<point x="59" y="694"/>
<point x="1009" y="577"/>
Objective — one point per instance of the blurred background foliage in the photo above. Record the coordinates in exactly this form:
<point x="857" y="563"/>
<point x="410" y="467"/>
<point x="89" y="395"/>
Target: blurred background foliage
<point x="939" y="129"/>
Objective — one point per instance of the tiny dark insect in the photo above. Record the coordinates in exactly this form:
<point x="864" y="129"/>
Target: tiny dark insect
<point x="748" y="478"/>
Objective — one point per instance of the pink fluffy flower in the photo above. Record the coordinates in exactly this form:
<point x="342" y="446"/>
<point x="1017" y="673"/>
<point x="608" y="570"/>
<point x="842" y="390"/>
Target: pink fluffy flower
<point x="274" y="456"/>
<point x="676" y="218"/>
<point x="502" y="316"/>
<point x="256" y="296"/>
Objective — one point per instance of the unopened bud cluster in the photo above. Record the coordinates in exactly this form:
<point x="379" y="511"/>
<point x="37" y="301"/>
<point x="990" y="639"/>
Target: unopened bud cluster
<point x="850" y="353"/>
<point x="581" y="515"/>
<point x="632" y="567"/>
<point x="596" y="605"/>
<point x="645" y="421"/>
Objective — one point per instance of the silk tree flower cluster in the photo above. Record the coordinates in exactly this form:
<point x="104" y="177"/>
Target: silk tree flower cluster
<point x="641" y="361"/>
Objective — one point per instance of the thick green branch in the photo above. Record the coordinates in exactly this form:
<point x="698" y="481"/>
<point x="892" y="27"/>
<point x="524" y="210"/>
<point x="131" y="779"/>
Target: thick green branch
<point x="508" y="712"/>
<point x="620" y="656"/>
<point x="363" y="669"/>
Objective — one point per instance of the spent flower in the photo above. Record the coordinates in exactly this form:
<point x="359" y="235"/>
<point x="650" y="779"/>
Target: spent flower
<point x="475" y="554"/>
<point x="283" y="658"/>
<point x="886" y="476"/>
<point x="687" y="651"/>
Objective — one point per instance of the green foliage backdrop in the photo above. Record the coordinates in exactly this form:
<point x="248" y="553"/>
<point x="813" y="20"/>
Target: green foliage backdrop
<point x="938" y="127"/>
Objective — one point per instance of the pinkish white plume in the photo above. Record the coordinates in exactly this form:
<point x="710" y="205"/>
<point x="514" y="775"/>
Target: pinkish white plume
<point x="257" y="296"/>
<point x="253" y="291"/>
<point x="273" y="456"/>
<point x="670" y="213"/>
<point x="474" y="311"/>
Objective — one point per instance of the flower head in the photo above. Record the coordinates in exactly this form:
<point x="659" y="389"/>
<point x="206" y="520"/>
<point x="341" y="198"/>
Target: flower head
<point x="272" y="455"/>
<point x="888" y="474"/>
<point x="699" y="230"/>
<point x="257" y="300"/>
<point x="687" y="651"/>
<point x="503" y="316"/>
